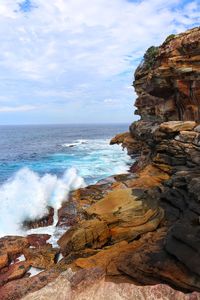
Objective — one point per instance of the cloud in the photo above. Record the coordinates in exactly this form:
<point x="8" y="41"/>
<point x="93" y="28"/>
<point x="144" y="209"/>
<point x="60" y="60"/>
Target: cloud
<point x="81" y="51"/>
<point x="22" y="108"/>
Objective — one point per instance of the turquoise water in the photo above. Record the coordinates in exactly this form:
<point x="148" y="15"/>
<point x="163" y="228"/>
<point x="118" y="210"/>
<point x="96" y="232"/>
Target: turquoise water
<point x="40" y="165"/>
<point x="54" y="149"/>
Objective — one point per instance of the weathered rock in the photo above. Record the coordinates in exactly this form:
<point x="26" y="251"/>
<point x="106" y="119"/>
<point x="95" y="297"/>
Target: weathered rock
<point x="183" y="242"/>
<point x="127" y="141"/>
<point x="67" y="214"/>
<point x="142" y="227"/>
<point x="13" y="245"/>
<point x="168" y="87"/>
<point x="91" y="285"/>
<point x="92" y="233"/>
<point x="14" y="271"/>
<point x="119" y="138"/>
<point x="177" y="126"/>
<point x="133" y="214"/>
<point x="47" y="220"/>
<point x="167" y="82"/>
<point x="3" y="260"/>
<point x="17" y="289"/>
<point x="150" y="264"/>
<point x="37" y="240"/>
<point x="107" y="259"/>
<point x="42" y="257"/>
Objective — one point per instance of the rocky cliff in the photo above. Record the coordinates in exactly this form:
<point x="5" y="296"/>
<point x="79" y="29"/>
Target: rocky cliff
<point x="135" y="235"/>
<point x="167" y="83"/>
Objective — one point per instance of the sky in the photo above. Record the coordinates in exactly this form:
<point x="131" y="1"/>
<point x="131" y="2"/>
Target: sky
<point x="73" y="61"/>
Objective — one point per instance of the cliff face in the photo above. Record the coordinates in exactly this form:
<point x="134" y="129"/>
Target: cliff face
<point x="141" y="228"/>
<point x="167" y="137"/>
<point x="167" y="82"/>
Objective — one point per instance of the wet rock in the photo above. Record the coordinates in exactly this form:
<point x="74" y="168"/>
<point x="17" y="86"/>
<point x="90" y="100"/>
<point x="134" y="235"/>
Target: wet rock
<point x="37" y="240"/>
<point x="47" y="220"/>
<point x="67" y="214"/>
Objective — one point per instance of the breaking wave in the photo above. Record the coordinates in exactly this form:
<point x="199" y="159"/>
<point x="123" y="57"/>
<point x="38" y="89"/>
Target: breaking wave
<point x="76" y="143"/>
<point x="26" y="195"/>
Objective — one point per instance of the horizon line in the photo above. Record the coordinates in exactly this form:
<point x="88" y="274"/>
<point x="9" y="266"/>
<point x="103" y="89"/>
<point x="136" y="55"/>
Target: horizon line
<point x="45" y="124"/>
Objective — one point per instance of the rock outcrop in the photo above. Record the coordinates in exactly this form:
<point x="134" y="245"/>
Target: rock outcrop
<point x="135" y="235"/>
<point x="167" y="81"/>
<point x="91" y="284"/>
<point x="168" y="87"/>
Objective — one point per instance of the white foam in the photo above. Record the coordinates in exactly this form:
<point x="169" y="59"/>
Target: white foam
<point x="26" y="197"/>
<point x="75" y="143"/>
<point x="60" y="257"/>
<point x="53" y="231"/>
<point x="100" y="159"/>
<point x="21" y="258"/>
<point x="34" y="271"/>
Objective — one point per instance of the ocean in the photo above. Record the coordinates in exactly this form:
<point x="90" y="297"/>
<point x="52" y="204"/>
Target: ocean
<point x="40" y="165"/>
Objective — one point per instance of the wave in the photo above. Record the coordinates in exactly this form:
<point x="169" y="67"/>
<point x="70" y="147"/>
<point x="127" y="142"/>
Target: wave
<point x="75" y="143"/>
<point x="26" y="196"/>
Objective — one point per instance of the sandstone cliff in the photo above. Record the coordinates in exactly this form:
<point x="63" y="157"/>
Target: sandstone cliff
<point x="167" y="83"/>
<point x="136" y="235"/>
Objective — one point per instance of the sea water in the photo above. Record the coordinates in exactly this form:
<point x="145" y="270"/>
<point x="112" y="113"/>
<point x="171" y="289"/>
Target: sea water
<point x="40" y="165"/>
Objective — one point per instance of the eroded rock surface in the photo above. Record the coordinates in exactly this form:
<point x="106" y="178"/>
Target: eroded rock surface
<point x="168" y="84"/>
<point x="140" y="228"/>
<point x="91" y="284"/>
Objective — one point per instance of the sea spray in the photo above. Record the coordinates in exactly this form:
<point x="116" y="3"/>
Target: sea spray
<point x="26" y="196"/>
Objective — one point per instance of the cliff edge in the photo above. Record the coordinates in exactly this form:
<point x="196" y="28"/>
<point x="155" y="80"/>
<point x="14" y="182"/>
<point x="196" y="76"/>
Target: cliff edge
<point x="135" y="235"/>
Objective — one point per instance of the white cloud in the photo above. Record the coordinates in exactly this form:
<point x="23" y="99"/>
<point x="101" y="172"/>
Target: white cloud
<point x="60" y="45"/>
<point x="21" y="108"/>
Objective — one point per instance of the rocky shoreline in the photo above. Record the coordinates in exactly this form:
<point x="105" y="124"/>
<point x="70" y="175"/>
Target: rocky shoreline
<point x="135" y="235"/>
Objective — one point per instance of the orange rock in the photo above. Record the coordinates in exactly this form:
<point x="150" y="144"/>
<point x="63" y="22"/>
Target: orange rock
<point x="42" y="257"/>
<point x="92" y="233"/>
<point x="119" y="138"/>
<point x="13" y="245"/>
<point x="13" y="272"/>
<point x="149" y="177"/>
<point x="177" y="126"/>
<point x="128" y="233"/>
<point x="3" y="260"/>
<point x="107" y="258"/>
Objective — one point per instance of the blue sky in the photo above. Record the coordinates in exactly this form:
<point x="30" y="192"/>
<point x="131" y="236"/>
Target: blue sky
<point x="72" y="61"/>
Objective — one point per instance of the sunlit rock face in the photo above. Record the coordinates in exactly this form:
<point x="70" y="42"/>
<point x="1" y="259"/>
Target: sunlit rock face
<point x="167" y="136"/>
<point x="168" y="80"/>
<point x="133" y="235"/>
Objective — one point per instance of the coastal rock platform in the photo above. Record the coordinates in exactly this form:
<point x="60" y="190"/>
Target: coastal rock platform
<point x="134" y="235"/>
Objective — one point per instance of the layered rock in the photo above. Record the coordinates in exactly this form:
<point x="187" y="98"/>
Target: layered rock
<point x="168" y="87"/>
<point x="17" y="257"/>
<point x="135" y="235"/>
<point x="167" y="82"/>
